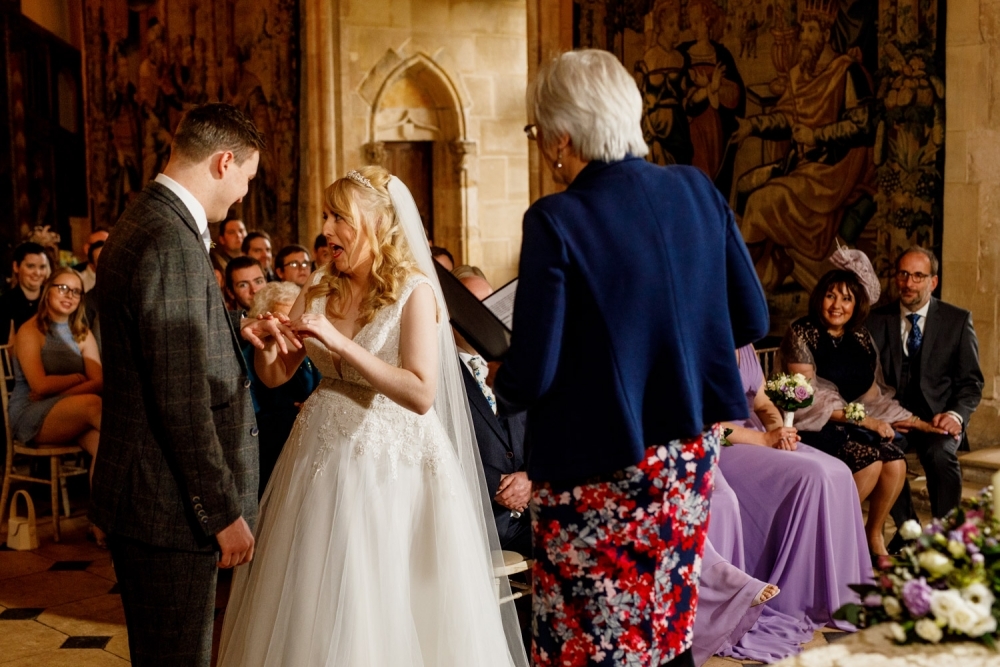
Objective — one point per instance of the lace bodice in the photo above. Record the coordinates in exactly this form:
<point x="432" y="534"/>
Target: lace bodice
<point x="347" y="407"/>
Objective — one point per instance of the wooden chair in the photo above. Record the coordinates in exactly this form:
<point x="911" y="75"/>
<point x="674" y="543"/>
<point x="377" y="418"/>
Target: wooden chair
<point x="57" y="471"/>
<point x="766" y="357"/>
<point x="506" y="563"/>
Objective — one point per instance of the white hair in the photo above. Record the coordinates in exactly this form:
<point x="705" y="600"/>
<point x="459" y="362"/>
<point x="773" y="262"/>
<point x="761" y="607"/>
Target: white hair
<point x="590" y="96"/>
<point x="272" y="294"/>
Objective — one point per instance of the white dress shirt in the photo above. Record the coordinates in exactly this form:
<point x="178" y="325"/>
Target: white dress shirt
<point x="89" y="278"/>
<point x="193" y="205"/>
<point x="904" y="330"/>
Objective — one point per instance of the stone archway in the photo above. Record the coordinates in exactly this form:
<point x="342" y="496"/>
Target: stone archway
<point x="413" y="99"/>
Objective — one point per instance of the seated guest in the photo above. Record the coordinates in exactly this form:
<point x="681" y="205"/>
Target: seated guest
<point x="258" y="245"/>
<point x="501" y="442"/>
<point x="20" y="303"/>
<point x="232" y="232"/>
<point x="57" y="373"/>
<point x="293" y="264"/>
<point x="832" y="347"/>
<point x="277" y="407"/>
<point x="443" y="257"/>
<point x="797" y="529"/>
<point x="321" y="252"/>
<point x="466" y="271"/>
<point x="930" y="356"/>
<point x="244" y="278"/>
<point x="88" y="270"/>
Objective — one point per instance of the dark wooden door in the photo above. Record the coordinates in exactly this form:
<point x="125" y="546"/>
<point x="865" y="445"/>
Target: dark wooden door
<point x="412" y="162"/>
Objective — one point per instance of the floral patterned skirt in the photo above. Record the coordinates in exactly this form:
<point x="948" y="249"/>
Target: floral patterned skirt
<point x="617" y="560"/>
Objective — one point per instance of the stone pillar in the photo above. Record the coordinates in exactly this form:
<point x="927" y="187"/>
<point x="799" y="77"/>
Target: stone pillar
<point x="970" y="276"/>
<point x="465" y="162"/>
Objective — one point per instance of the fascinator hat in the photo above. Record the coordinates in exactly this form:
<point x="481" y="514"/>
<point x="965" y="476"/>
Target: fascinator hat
<point x="857" y="262"/>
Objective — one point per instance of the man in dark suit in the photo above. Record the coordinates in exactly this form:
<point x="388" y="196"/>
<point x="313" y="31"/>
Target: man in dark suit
<point x="501" y="442"/>
<point x="930" y="356"/>
<point x="175" y="486"/>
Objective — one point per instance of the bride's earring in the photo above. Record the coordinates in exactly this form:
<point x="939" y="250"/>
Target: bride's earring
<point x="559" y="164"/>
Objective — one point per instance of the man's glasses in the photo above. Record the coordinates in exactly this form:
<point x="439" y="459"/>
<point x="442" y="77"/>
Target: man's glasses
<point x="295" y="264"/>
<point x="904" y="276"/>
<point x="67" y="290"/>
<point x="531" y="131"/>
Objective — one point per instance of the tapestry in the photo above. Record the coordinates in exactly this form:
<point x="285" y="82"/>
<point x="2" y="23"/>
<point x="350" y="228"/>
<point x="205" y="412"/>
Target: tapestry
<point x="147" y="61"/>
<point x="821" y="121"/>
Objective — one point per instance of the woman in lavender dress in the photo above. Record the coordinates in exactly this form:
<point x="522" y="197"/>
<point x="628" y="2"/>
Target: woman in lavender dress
<point x="800" y="523"/>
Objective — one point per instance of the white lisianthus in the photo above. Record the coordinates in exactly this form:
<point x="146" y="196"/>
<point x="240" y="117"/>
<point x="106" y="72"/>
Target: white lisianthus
<point x="956" y="548"/>
<point x="986" y="625"/>
<point x="943" y="603"/>
<point x="910" y="530"/>
<point x="898" y="633"/>
<point x="928" y="630"/>
<point x="891" y="606"/>
<point x="980" y="598"/>
<point x="963" y="618"/>
<point x="937" y="564"/>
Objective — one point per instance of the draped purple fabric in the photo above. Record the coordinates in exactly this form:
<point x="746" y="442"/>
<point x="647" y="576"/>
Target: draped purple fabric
<point x="800" y="527"/>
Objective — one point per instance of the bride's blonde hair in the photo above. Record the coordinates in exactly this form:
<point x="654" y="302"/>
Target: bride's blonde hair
<point x="368" y="211"/>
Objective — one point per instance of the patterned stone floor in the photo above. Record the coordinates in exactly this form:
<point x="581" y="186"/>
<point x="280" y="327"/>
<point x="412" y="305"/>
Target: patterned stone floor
<point x="59" y="604"/>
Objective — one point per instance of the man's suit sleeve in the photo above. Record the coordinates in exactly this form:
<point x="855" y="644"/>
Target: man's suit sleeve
<point x="539" y="313"/>
<point x="747" y="303"/>
<point x="969" y="381"/>
<point x="173" y="331"/>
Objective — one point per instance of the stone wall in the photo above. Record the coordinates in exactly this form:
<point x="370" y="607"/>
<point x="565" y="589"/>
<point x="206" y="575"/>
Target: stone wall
<point x="451" y="72"/>
<point x="971" y="273"/>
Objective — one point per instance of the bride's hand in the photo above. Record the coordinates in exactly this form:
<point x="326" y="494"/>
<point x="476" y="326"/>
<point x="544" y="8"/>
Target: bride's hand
<point x="273" y="326"/>
<point x="320" y="328"/>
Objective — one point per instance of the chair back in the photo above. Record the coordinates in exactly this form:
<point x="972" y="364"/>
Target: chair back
<point x="7" y="370"/>
<point x="766" y="357"/>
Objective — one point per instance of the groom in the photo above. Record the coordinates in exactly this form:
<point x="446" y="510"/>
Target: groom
<point x="175" y="486"/>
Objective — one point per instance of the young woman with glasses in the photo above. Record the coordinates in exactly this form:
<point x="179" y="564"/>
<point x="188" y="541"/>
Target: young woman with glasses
<point x="57" y="372"/>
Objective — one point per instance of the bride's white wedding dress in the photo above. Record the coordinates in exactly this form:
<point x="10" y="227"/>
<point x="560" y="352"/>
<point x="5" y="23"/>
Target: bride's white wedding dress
<point x="369" y="551"/>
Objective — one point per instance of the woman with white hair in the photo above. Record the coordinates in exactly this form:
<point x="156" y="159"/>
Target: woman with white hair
<point x="635" y="286"/>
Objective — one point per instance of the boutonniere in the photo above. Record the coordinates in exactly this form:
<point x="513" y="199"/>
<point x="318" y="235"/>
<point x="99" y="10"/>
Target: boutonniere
<point x="211" y="245"/>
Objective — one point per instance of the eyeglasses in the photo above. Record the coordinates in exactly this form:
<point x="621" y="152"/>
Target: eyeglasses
<point x="66" y="290"/>
<point x="531" y="131"/>
<point x="295" y="264"/>
<point x="904" y="276"/>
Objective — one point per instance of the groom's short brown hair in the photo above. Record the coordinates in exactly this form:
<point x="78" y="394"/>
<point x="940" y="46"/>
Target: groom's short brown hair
<point x="211" y="128"/>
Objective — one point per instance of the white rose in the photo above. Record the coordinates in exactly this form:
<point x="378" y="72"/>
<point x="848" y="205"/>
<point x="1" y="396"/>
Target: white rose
<point x="891" y="606"/>
<point x="928" y="630"/>
<point x="937" y="564"/>
<point x="897" y="631"/>
<point x="985" y="626"/>
<point x="944" y="602"/>
<point x="963" y="618"/>
<point x="910" y="530"/>
<point x="980" y="598"/>
<point x="956" y="548"/>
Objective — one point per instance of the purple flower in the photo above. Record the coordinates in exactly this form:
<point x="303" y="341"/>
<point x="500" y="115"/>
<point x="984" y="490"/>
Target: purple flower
<point x="872" y="600"/>
<point x="917" y="596"/>
<point x="801" y="393"/>
<point x="978" y="558"/>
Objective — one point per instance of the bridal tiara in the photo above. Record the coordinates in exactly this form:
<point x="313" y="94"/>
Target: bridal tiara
<point x="359" y="179"/>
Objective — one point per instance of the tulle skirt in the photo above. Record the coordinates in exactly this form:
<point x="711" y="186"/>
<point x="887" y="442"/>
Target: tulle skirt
<point x="367" y="554"/>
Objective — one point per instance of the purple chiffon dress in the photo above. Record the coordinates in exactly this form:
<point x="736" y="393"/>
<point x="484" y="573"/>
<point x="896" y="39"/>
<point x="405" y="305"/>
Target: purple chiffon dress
<point x="801" y="529"/>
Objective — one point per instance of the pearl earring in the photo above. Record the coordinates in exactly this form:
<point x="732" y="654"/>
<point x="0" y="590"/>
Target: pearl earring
<point x="559" y="164"/>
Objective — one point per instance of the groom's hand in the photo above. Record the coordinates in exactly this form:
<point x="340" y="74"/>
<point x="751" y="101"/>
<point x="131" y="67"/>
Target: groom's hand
<point x="235" y="544"/>
<point x="268" y="325"/>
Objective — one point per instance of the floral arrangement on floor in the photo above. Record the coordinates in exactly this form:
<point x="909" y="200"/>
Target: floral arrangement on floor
<point x="789" y="392"/>
<point x="855" y="413"/>
<point x="944" y="583"/>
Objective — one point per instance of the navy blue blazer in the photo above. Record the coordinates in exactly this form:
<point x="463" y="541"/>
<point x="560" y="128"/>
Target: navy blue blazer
<point x="501" y="448"/>
<point x="635" y="291"/>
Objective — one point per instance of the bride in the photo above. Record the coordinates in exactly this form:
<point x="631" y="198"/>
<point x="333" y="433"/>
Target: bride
<point x="373" y="546"/>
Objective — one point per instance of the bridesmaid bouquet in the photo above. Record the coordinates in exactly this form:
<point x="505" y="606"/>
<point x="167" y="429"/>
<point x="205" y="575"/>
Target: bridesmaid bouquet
<point x="855" y="413"/>
<point x="789" y="392"/>
<point x="944" y="583"/>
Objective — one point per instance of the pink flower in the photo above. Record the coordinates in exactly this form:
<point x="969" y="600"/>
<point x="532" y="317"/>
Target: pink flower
<point x="801" y="393"/>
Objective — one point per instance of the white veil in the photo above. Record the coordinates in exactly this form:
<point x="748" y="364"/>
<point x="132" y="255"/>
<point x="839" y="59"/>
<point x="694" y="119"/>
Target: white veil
<point x="452" y="407"/>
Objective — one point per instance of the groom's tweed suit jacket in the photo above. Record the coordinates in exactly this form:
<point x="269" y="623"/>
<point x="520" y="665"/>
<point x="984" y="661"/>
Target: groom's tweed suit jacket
<point x="177" y="459"/>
